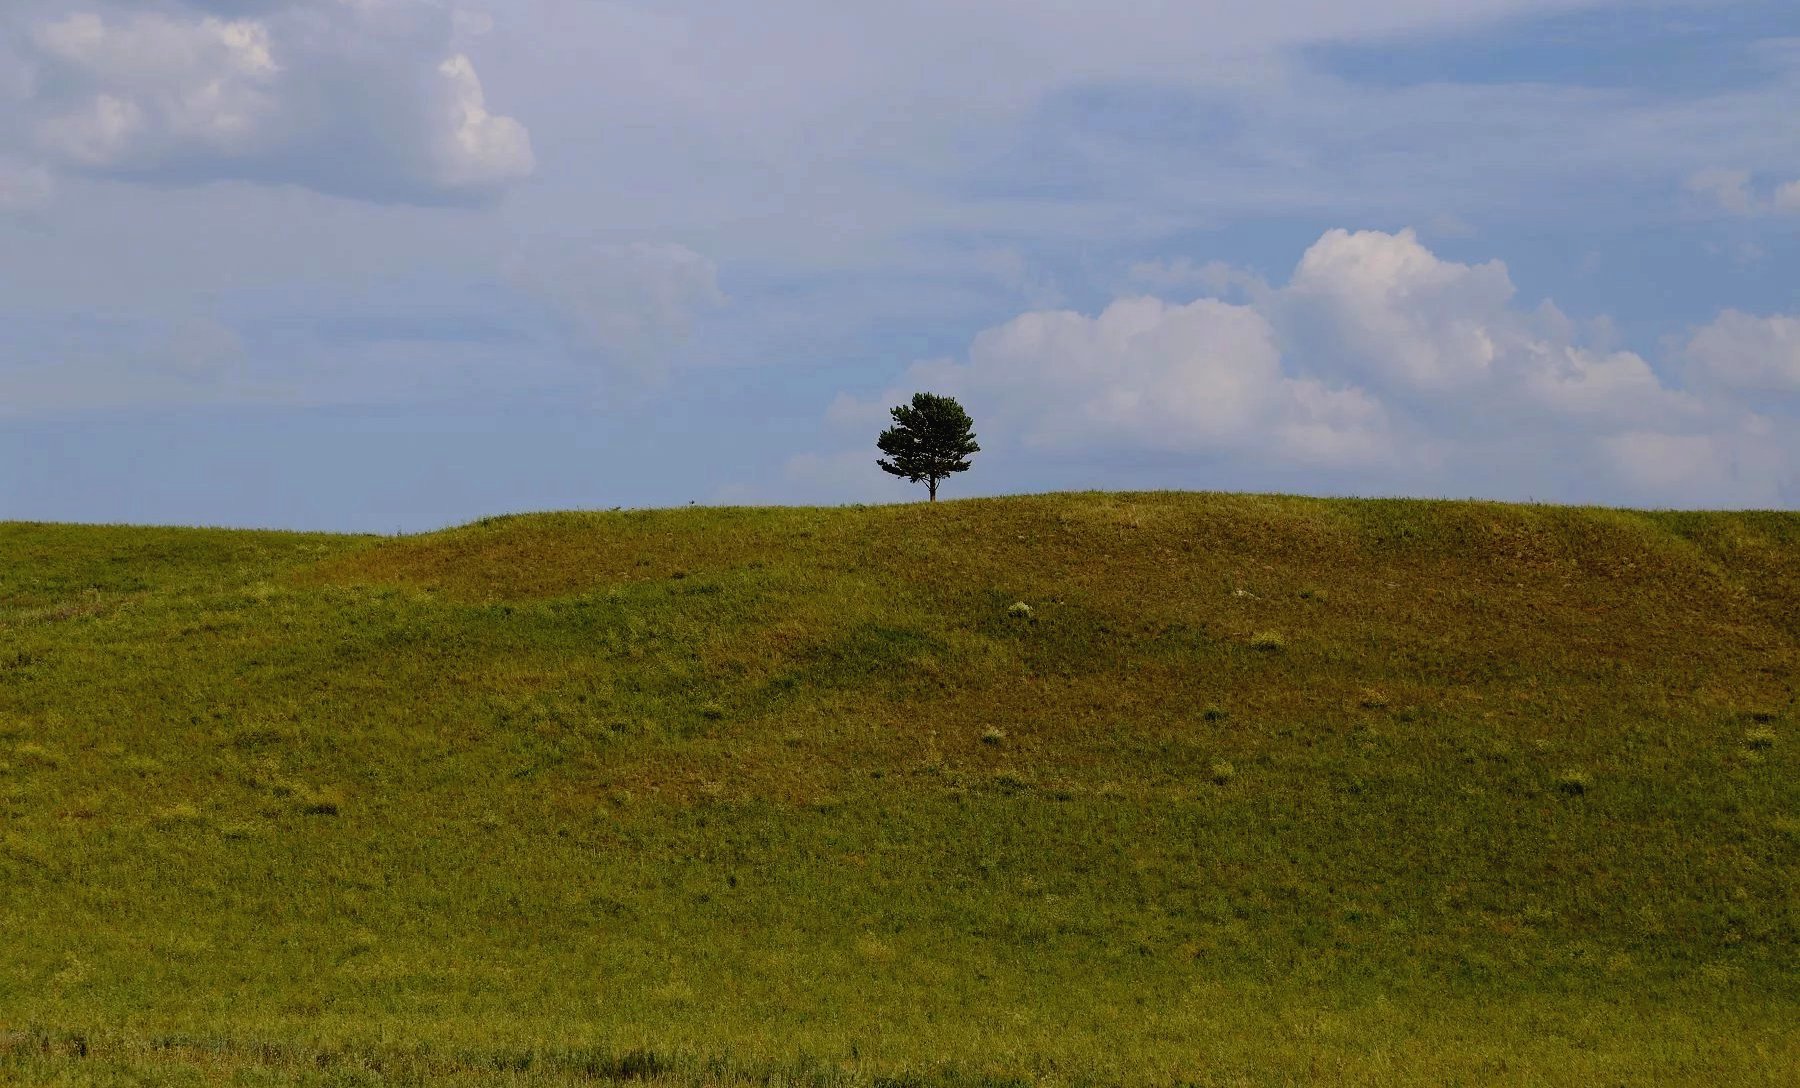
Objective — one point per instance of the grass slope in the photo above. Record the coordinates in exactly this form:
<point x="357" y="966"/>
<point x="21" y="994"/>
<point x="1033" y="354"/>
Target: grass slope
<point x="1262" y="790"/>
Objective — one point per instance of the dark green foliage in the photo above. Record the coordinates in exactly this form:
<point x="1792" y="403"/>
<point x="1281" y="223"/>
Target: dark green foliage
<point x="930" y="439"/>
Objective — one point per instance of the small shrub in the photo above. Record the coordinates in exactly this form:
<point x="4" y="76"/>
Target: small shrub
<point x="1214" y="714"/>
<point x="1372" y="699"/>
<point x="1019" y="610"/>
<point x="1268" y="642"/>
<point x="1010" y="782"/>
<point x="314" y="802"/>
<point x="993" y="735"/>
<point x="1574" y="782"/>
<point x="1760" y="738"/>
<point x="1222" y="773"/>
<point x="712" y="712"/>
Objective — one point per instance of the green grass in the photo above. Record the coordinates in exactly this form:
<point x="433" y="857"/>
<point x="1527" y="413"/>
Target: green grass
<point x="1256" y="791"/>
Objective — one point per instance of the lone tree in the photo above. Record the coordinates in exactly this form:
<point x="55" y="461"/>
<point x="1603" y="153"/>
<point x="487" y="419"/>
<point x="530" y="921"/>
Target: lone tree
<point x="928" y="441"/>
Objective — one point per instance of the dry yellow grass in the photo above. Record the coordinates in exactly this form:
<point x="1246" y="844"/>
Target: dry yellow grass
<point x="722" y="796"/>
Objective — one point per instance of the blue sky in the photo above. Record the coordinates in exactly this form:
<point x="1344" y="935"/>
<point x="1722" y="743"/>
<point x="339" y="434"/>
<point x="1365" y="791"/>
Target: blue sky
<point x="396" y="264"/>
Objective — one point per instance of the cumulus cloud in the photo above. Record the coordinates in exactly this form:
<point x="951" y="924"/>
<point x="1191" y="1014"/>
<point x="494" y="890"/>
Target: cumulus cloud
<point x="1378" y="359"/>
<point x="1737" y="193"/>
<point x="1403" y="314"/>
<point x="205" y="82"/>
<point x="1205" y="376"/>
<point x="363" y="98"/>
<point x="625" y="304"/>
<point x="1580" y="381"/>
<point x="1744" y="351"/>
<point x="1385" y="307"/>
<point x="1729" y="189"/>
<point x="480" y="150"/>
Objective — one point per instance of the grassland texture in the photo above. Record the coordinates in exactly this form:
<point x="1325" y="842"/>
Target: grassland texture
<point x="1144" y="789"/>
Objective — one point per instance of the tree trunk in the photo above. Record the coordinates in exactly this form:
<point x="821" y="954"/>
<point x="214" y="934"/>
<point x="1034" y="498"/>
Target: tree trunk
<point x="932" y="484"/>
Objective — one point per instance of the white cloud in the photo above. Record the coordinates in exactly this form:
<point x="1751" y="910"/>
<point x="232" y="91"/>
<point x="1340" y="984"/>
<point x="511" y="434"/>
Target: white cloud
<point x="481" y="150"/>
<point x="1199" y="375"/>
<point x="1377" y="361"/>
<point x="627" y="304"/>
<point x="364" y="98"/>
<point x="139" y="87"/>
<point x="881" y="125"/>
<point x="1580" y="381"/>
<point x="1744" y="351"/>
<point x="1201" y="378"/>
<point x="1386" y="308"/>
<point x="1404" y="314"/>
<point x="1736" y="192"/>
<point x="1729" y="189"/>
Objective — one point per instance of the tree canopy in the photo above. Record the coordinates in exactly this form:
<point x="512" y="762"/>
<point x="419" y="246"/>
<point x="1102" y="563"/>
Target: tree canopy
<point x="930" y="439"/>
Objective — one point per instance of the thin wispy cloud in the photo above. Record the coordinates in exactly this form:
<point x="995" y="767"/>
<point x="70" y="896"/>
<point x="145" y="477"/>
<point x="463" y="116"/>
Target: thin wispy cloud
<point x="1297" y="244"/>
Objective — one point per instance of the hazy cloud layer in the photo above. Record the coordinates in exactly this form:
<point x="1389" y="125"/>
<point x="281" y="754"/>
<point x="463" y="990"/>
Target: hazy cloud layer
<point x="1738" y="192"/>
<point x="624" y="305"/>
<point x="23" y="185"/>
<point x="1749" y="353"/>
<point x="1109" y="225"/>
<point x="123" y="361"/>
<point x="362" y="98"/>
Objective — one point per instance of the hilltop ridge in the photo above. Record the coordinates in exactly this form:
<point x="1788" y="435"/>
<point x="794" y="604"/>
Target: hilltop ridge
<point x="1255" y="789"/>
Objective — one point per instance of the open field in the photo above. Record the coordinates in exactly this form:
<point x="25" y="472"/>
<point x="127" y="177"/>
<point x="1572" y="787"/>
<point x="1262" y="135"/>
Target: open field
<point x="1259" y="791"/>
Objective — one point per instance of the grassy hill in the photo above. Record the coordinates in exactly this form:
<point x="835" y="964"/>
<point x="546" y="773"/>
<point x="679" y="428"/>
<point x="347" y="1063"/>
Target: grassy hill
<point x="1251" y="791"/>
